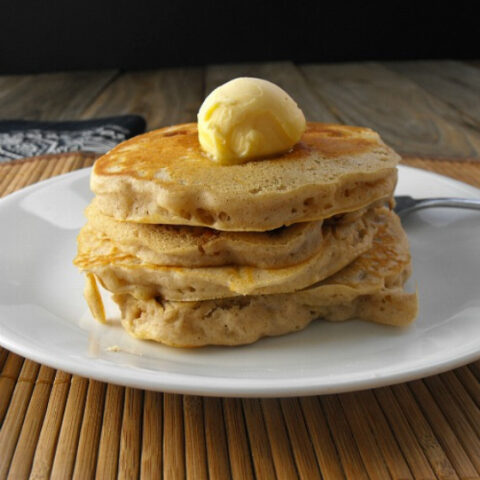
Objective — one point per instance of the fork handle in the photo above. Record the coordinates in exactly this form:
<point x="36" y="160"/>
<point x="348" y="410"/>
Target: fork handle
<point x="451" y="202"/>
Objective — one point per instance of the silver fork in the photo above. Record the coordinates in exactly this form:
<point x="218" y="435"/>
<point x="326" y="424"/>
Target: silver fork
<point x="405" y="204"/>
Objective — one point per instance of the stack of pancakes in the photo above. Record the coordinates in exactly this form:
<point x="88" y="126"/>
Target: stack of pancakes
<point x="197" y="253"/>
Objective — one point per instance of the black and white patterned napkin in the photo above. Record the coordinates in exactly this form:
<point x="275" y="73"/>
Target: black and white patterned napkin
<point x="24" y="138"/>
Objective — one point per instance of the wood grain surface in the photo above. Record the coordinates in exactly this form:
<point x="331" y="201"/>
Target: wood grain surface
<point x="50" y="96"/>
<point x="429" y="108"/>
<point x="375" y="96"/>
<point x="455" y="83"/>
<point x="55" y="425"/>
<point x="162" y="97"/>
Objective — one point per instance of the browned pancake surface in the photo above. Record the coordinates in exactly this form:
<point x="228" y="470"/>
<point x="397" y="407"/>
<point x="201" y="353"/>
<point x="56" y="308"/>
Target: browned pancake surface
<point x="164" y="177"/>
<point x="177" y="150"/>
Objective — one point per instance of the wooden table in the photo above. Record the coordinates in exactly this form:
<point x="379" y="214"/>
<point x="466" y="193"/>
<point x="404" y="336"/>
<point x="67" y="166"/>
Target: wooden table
<point x="58" y="425"/>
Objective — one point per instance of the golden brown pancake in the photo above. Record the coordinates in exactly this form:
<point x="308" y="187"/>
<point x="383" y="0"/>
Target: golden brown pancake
<point x="164" y="177"/>
<point x="199" y="253"/>
<point x="121" y="272"/>
<point x="175" y="245"/>
<point x="244" y="320"/>
<point x="370" y="288"/>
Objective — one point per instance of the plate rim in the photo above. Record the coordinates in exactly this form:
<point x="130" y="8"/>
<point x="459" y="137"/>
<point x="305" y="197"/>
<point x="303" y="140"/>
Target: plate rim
<point x="244" y="388"/>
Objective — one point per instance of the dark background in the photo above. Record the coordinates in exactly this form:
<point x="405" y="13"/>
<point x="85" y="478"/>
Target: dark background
<point x="38" y="36"/>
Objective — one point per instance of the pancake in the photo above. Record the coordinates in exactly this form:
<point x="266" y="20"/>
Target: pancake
<point x="174" y="245"/>
<point x="121" y="272"/>
<point x="370" y="288"/>
<point x="244" y="320"/>
<point x="164" y="177"/>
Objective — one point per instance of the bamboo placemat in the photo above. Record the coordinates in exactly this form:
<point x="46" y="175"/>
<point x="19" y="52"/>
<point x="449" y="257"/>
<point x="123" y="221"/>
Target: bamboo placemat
<point x="56" y="425"/>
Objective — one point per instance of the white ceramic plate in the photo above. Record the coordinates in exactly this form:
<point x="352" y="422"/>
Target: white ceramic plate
<point x="43" y="315"/>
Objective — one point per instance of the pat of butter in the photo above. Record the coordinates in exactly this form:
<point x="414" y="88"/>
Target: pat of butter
<point x="248" y="118"/>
